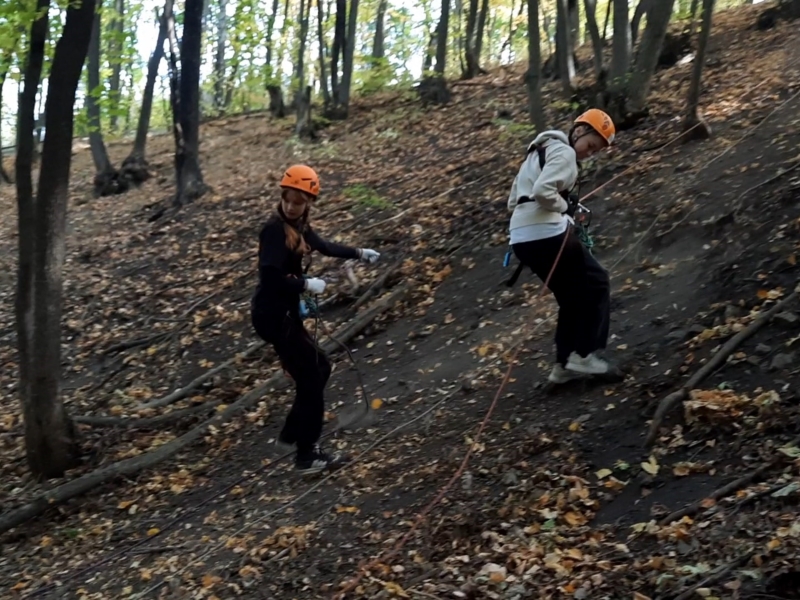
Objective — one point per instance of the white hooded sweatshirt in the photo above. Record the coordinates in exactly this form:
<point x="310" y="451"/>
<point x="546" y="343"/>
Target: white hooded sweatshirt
<point x="545" y="217"/>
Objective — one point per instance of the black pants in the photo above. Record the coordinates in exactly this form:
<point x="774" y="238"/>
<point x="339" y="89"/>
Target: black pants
<point x="581" y="288"/>
<point x="310" y="368"/>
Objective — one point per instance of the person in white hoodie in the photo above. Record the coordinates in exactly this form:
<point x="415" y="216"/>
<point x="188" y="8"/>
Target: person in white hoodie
<point x="542" y="202"/>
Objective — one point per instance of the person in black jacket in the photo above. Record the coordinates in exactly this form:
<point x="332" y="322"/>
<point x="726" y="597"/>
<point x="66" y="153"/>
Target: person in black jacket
<point x="284" y="241"/>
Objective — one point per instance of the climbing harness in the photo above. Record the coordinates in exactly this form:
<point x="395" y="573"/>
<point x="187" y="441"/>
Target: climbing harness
<point x="581" y="216"/>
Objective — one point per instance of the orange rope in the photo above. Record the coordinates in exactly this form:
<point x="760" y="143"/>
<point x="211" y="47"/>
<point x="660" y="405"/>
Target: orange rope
<point x="377" y="560"/>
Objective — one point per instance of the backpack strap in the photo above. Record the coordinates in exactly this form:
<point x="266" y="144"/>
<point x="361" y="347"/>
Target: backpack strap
<point x="540" y="150"/>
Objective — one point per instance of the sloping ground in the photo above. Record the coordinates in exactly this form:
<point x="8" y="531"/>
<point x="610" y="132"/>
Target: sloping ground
<point x="536" y="514"/>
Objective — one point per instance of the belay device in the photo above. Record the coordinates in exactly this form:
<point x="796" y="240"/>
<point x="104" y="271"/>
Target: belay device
<point x="582" y="218"/>
<point x="308" y="305"/>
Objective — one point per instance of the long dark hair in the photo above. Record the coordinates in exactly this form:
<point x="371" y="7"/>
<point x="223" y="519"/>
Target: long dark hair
<point x="294" y="230"/>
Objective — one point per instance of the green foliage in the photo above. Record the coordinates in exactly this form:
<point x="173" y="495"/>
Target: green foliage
<point x="513" y="131"/>
<point x="367" y="197"/>
<point x="377" y="77"/>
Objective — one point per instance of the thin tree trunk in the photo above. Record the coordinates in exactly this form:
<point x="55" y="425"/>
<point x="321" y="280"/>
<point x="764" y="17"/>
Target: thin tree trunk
<point x="189" y="175"/>
<point x="608" y="18"/>
<point x="339" y="41"/>
<point x="620" y="47"/>
<point x="590" y="6"/>
<point x="574" y="18"/>
<point x="693" y="18"/>
<point x="378" y="43"/>
<point x="692" y="119"/>
<point x="117" y="30"/>
<point x="565" y="57"/>
<point x="430" y="53"/>
<point x="470" y="64"/>
<point x="481" y="32"/>
<point x="647" y="57"/>
<point x="433" y="89"/>
<point x="270" y="42"/>
<point x="106" y="179"/>
<point x="323" y="74"/>
<point x="641" y="10"/>
<point x="135" y="167"/>
<point x="441" y="38"/>
<point x="349" y="56"/>
<point x="50" y="436"/>
<point x="304" y="127"/>
<point x="533" y="77"/>
<point x="300" y="64"/>
<point x="219" y="59"/>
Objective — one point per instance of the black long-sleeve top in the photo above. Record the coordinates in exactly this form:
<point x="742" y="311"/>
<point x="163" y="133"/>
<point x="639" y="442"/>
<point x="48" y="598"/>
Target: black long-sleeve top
<point x="280" y="270"/>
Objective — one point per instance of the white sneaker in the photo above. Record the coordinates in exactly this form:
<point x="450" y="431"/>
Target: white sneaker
<point x="589" y="365"/>
<point x="560" y="375"/>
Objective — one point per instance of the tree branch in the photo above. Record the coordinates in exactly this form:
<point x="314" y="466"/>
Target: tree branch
<point x="712" y="365"/>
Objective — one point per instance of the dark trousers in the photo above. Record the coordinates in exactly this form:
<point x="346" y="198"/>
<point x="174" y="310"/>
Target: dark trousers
<point x="310" y="368"/>
<point x="581" y="288"/>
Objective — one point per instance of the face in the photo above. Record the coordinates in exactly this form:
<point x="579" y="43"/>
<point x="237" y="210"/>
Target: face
<point x="587" y="142"/>
<point x="294" y="203"/>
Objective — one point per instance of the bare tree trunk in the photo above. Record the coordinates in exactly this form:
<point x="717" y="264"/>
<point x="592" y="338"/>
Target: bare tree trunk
<point x="430" y="52"/>
<point x="270" y="42"/>
<point x="300" y="65"/>
<point x="565" y="58"/>
<point x="590" y="6"/>
<point x="641" y="11"/>
<point x="693" y="17"/>
<point x="349" y="57"/>
<point x="692" y="120"/>
<point x="647" y="57"/>
<point x="304" y="127"/>
<point x="50" y="436"/>
<point x="189" y="177"/>
<point x="378" y="43"/>
<point x="219" y="59"/>
<point x="533" y="77"/>
<point x="482" y="15"/>
<point x="574" y="14"/>
<point x="106" y="179"/>
<point x="323" y="47"/>
<point x="339" y="42"/>
<point x="620" y="47"/>
<point x="433" y="88"/>
<point x="441" y="38"/>
<point x="608" y="17"/>
<point x="117" y="30"/>
<point x="277" y="107"/>
<point x="135" y="167"/>
<point x="470" y="64"/>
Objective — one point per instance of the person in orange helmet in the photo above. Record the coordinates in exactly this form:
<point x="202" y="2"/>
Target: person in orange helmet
<point x="285" y="240"/>
<point x="543" y="203"/>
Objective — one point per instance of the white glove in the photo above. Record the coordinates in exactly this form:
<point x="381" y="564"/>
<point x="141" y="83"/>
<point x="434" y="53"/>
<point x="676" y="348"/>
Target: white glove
<point x="369" y="256"/>
<point x="315" y="286"/>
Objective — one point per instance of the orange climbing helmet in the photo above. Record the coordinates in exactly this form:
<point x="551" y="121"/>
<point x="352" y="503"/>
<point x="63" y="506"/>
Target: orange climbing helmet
<point x="301" y="177"/>
<point x="600" y="122"/>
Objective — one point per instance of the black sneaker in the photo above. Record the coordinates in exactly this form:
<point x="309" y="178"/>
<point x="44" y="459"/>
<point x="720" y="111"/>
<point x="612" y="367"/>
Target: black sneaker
<point x="317" y="461"/>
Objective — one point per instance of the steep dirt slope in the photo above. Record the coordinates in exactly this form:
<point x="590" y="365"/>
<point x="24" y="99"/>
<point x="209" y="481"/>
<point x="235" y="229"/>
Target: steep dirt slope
<point x="691" y="247"/>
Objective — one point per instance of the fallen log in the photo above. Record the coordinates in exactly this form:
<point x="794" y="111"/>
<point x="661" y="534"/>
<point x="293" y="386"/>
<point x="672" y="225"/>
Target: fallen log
<point x="130" y="466"/>
<point x="670" y="401"/>
<point x="147" y="422"/>
<point x="183" y="392"/>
